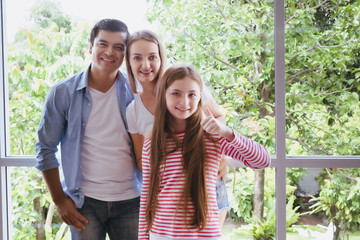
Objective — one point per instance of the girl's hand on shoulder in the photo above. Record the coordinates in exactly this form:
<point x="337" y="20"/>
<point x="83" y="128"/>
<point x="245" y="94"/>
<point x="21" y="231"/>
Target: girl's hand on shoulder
<point x="213" y="126"/>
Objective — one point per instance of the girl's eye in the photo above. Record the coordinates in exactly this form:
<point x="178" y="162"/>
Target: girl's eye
<point x="153" y="57"/>
<point x="175" y="93"/>
<point x="192" y="95"/>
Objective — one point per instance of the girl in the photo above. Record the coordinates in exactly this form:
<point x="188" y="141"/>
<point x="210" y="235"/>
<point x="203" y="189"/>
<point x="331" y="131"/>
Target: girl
<point x="180" y="161"/>
<point x="145" y="61"/>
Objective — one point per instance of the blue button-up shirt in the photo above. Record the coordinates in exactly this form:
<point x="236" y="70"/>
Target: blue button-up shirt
<point x="64" y="120"/>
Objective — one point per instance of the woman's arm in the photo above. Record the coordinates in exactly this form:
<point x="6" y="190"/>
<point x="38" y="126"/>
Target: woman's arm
<point x="138" y="141"/>
<point x="214" y="108"/>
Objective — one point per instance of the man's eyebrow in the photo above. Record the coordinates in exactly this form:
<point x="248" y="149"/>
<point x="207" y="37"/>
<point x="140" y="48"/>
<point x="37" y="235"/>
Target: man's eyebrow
<point x="117" y="44"/>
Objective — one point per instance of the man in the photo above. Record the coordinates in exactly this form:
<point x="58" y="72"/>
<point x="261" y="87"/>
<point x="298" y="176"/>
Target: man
<point x="86" y="114"/>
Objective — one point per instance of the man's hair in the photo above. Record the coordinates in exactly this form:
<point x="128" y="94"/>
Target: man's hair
<point x="112" y="25"/>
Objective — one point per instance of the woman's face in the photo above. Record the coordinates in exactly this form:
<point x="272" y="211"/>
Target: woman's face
<point x="144" y="60"/>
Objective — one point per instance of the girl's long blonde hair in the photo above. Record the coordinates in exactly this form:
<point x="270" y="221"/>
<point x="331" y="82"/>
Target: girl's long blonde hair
<point x="193" y="152"/>
<point x="150" y="37"/>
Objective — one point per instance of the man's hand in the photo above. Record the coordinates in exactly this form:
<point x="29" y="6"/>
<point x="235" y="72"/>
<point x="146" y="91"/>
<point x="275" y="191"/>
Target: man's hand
<point x="68" y="213"/>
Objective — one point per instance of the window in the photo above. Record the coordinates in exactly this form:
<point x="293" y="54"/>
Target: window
<point x="316" y="98"/>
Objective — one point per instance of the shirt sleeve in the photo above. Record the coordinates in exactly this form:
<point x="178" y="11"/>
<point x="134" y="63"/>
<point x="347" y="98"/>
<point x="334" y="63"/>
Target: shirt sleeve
<point x="144" y="191"/>
<point x="249" y="152"/>
<point x="50" y="131"/>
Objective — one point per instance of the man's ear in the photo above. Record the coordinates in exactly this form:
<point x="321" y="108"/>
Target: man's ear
<point x="90" y="49"/>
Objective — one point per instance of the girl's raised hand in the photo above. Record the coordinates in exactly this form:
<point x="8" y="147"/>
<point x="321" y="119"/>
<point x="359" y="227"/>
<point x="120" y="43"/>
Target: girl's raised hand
<point x="213" y="126"/>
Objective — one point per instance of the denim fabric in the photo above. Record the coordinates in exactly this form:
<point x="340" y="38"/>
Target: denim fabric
<point x="64" y="120"/>
<point x="119" y="219"/>
<point x="221" y="195"/>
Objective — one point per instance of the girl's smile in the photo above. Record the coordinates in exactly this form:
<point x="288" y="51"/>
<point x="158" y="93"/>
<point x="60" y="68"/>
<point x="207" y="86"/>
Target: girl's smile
<point x="182" y="99"/>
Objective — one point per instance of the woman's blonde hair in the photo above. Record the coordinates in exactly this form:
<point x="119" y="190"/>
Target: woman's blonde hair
<point x="192" y="148"/>
<point x="150" y="37"/>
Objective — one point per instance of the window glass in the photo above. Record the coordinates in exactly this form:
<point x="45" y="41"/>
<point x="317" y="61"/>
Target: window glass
<point x="324" y="203"/>
<point x="48" y="41"/>
<point x="322" y="77"/>
<point x="33" y="214"/>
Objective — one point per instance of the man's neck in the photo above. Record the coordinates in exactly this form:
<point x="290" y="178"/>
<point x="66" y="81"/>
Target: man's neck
<point x="101" y="81"/>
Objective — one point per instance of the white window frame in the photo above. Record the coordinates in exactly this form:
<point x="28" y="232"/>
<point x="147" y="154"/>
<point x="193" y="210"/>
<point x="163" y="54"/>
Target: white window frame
<point x="280" y="162"/>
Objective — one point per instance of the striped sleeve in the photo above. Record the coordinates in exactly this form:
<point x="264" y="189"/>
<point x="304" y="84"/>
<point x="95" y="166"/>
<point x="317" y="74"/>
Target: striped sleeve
<point x="144" y="191"/>
<point x="243" y="149"/>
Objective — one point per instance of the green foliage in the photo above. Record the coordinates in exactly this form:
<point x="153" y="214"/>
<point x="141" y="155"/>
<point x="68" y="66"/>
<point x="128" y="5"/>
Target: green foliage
<point x="25" y="191"/>
<point x="241" y="198"/>
<point x="241" y="195"/>
<point x="239" y="69"/>
<point x="232" y="44"/>
<point x="35" y="64"/>
<point x="339" y="198"/>
<point x="265" y="229"/>
<point x="46" y="12"/>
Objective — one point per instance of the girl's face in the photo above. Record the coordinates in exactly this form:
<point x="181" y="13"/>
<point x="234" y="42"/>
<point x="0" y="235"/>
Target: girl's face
<point x="182" y="99"/>
<point x="144" y="60"/>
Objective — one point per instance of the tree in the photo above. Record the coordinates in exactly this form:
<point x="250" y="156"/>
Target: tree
<point x="46" y="12"/>
<point x="232" y="44"/>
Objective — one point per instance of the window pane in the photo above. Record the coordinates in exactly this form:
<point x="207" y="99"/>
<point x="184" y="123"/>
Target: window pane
<point x="241" y="223"/>
<point x="322" y="77"/>
<point x="48" y="41"/>
<point x="232" y="44"/>
<point x="322" y="198"/>
<point x="32" y="212"/>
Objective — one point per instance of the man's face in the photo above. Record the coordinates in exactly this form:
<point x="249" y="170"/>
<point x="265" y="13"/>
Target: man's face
<point x="108" y="51"/>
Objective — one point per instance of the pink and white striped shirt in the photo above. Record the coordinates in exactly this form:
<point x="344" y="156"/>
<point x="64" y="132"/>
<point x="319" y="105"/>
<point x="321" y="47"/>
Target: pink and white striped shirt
<point x="169" y="218"/>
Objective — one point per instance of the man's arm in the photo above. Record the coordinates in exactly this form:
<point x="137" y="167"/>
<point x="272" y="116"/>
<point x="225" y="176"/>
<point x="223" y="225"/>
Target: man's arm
<point x="64" y="204"/>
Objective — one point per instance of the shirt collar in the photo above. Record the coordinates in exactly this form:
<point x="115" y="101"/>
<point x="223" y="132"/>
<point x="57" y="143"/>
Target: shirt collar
<point x="83" y="83"/>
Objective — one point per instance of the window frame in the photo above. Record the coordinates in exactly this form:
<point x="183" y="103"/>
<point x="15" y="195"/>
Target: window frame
<point x="281" y="162"/>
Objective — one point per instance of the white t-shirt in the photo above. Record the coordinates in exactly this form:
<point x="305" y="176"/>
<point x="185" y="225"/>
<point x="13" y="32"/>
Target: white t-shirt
<point x="139" y="118"/>
<point x="141" y="121"/>
<point x="107" y="166"/>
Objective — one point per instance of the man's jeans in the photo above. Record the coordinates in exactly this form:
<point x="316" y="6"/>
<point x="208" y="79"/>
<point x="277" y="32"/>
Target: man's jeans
<point x="119" y="219"/>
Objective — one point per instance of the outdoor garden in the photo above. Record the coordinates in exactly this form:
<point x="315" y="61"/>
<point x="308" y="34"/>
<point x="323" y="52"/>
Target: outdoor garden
<point x="231" y="42"/>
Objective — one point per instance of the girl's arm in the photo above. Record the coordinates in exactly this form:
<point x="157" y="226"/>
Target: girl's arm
<point x="236" y="146"/>
<point x="138" y="141"/>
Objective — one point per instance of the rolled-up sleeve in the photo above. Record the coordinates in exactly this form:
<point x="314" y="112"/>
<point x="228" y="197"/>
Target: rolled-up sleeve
<point x="50" y="131"/>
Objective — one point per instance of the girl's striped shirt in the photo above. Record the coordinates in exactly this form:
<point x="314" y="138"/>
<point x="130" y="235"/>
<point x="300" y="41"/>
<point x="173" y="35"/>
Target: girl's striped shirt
<point x="169" y="218"/>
